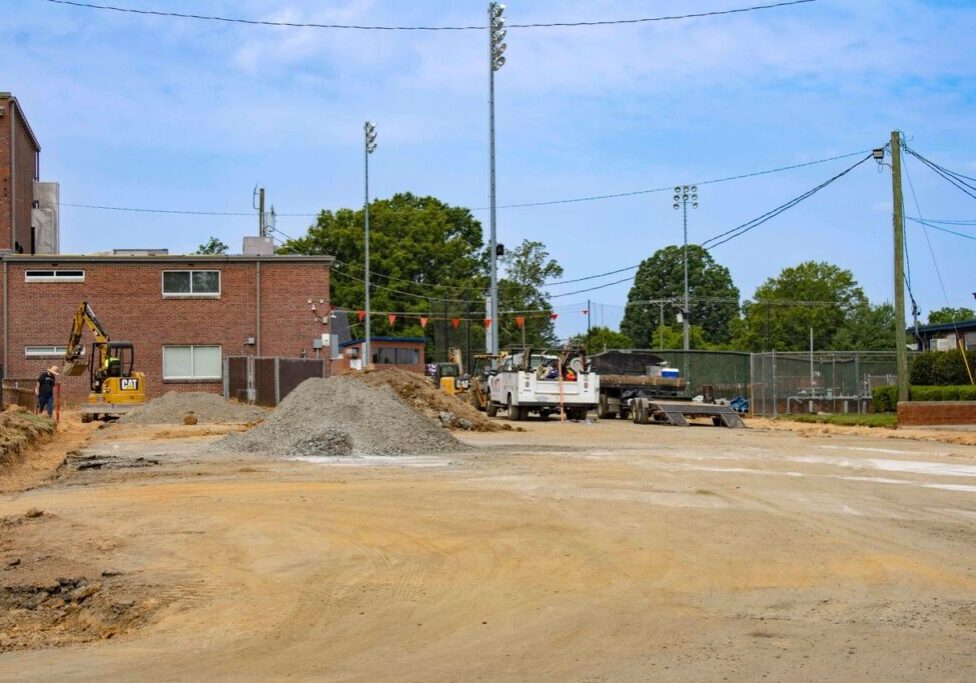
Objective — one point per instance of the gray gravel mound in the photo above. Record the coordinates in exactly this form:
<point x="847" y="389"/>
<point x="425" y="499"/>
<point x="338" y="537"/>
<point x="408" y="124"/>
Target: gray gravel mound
<point x="209" y="408"/>
<point x="339" y="416"/>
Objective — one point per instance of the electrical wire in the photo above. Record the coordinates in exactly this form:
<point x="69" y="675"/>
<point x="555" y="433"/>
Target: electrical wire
<point x="473" y="27"/>
<point x="945" y="222"/>
<point x="571" y="200"/>
<point x="936" y="227"/>
<point x="958" y="180"/>
<point x="740" y="230"/>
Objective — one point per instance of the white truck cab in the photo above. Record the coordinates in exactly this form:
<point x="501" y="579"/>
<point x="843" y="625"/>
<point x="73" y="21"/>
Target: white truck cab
<point x="540" y="383"/>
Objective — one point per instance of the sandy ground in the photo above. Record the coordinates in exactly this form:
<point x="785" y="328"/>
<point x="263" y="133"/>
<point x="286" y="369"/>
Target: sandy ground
<point x="590" y="552"/>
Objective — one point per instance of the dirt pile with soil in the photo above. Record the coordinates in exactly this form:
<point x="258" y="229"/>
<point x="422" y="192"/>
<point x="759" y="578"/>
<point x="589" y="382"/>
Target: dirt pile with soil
<point x="420" y="393"/>
<point x="19" y="430"/>
<point x="342" y="416"/>
<point x="48" y="600"/>
<point x="172" y="408"/>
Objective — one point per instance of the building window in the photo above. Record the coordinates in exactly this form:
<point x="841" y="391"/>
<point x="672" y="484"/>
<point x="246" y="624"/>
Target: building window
<point x="385" y="356"/>
<point x="407" y="356"/>
<point x="45" y="351"/>
<point x="191" y="283"/>
<point x="54" y="275"/>
<point x="191" y="362"/>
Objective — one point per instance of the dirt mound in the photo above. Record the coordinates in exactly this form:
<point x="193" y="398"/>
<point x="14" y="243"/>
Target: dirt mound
<point x="208" y="408"/>
<point x="343" y="415"/>
<point x="421" y="394"/>
<point x="20" y="429"/>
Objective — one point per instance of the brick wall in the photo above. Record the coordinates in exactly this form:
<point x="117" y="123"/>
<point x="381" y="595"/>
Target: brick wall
<point x="127" y="298"/>
<point x="920" y="413"/>
<point x="18" y="171"/>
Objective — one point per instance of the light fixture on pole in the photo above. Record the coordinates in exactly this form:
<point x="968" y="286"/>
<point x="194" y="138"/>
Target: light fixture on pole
<point x="496" y="59"/>
<point x="369" y="146"/>
<point x="682" y="195"/>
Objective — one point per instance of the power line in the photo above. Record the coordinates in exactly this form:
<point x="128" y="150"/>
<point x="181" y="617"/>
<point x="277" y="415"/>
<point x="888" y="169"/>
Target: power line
<point x="945" y="222"/>
<point x="473" y="27"/>
<point x="740" y="230"/>
<point x="936" y="227"/>
<point x="481" y="208"/>
<point x="958" y="180"/>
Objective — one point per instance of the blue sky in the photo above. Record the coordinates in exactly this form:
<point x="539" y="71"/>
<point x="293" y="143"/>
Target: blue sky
<point x="154" y="112"/>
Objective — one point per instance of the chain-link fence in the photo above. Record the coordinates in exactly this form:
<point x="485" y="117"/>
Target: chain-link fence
<point x="728" y="372"/>
<point x="781" y="383"/>
<point x="831" y="381"/>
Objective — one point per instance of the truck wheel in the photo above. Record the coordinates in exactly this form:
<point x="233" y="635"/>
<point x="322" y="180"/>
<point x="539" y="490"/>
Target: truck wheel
<point x="514" y="412"/>
<point x="86" y="417"/>
<point x="603" y="409"/>
<point x="491" y="408"/>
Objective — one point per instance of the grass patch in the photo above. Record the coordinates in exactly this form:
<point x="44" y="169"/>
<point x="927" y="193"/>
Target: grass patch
<point x="883" y="420"/>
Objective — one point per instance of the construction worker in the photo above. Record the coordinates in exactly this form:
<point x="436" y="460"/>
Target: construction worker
<point x="44" y="390"/>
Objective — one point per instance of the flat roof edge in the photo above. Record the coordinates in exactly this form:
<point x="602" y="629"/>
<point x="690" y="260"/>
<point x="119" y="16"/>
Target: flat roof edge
<point x="170" y="258"/>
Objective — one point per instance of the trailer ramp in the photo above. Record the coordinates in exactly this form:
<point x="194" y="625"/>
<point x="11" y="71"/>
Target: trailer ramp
<point x="647" y="411"/>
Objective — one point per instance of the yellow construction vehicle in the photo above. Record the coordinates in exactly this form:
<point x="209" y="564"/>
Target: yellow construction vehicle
<point x="115" y="387"/>
<point x="450" y="377"/>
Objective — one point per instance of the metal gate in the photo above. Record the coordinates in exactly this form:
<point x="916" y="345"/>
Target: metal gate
<point x="265" y="381"/>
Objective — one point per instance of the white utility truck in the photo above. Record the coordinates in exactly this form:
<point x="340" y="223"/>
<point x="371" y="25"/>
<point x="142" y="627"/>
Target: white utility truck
<point x="543" y="383"/>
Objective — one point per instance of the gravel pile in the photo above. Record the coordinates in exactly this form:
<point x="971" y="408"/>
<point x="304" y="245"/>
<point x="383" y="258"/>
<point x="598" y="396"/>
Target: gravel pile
<point x="208" y="408"/>
<point x="340" y="416"/>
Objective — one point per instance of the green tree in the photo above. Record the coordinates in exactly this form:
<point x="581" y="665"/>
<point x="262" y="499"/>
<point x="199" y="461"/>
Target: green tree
<point x="868" y="328"/>
<point x="784" y="308"/>
<point x="600" y="339"/>
<point x="714" y="299"/>
<point x="212" y="246"/>
<point x="526" y="268"/>
<point x="426" y="258"/>
<point x="673" y="337"/>
<point x="950" y="315"/>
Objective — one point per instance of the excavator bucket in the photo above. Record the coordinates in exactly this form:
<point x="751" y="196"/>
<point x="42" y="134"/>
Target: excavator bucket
<point x="73" y="368"/>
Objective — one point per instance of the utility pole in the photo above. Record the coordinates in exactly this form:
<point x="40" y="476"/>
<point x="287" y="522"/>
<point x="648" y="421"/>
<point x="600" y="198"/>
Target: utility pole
<point x="898" y="223"/>
<point x="682" y="195"/>
<point x="660" y="324"/>
<point x="369" y="146"/>
<point x="496" y="59"/>
<point x="587" y="325"/>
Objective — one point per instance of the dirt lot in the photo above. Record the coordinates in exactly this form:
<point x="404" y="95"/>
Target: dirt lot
<point x="607" y="551"/>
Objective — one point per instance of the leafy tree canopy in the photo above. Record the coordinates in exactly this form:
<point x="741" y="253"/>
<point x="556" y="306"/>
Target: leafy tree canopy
<point x="212" y="246"/>
<point x="421" y="252"/>
<point x="868" y="328"/>
<point x="784" y="308"/>
<point x="526" y="269"/>
<point x="714" y="299"/>
<point x="600" y="339"/>
<point x="951" y="315"/>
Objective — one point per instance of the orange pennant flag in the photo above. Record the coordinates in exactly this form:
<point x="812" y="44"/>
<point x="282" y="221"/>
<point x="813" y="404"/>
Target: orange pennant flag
<point x="520" y="321"/>
<point x="361" y="315"/>
<point x="487" y="323"/>
<point x="391" y="317"/>
<point x="423" y="321"/>
<point x="553" y="316"/>
<point x="455" y="322"/>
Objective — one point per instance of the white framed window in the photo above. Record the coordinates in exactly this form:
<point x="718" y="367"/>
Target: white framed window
<point x="194" y="362"/>
<point x="45" y="351"/>
<point x="54" y="275"/>
<point x="196" y="283"/>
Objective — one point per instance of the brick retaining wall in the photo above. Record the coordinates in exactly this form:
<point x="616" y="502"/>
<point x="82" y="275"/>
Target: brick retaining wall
<point x="919" y="413"/>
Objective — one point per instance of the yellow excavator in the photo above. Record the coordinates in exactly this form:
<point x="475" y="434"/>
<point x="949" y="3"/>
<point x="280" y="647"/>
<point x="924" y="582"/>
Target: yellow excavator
<point x="115" y="387"/>
<point x="450" y="377"/>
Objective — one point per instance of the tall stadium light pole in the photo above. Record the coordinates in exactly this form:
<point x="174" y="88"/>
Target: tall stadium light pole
<point x="496" y="59"/>
<point x="369" y="146"/>
<point x="682" y="195"/>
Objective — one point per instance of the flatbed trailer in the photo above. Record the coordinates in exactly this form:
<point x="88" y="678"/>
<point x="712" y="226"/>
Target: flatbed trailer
<point x="655" y="411"/>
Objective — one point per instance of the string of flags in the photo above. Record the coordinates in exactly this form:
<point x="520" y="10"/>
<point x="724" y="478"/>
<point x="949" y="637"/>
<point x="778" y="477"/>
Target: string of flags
<point x="423" y="320"/>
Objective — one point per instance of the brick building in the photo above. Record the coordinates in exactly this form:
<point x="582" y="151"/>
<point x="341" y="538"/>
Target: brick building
<point x="28" y="207"/>
<point x="183" y="314"/>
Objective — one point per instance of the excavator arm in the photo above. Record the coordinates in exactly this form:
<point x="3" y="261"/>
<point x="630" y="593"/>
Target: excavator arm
<point x="73" y="363"/>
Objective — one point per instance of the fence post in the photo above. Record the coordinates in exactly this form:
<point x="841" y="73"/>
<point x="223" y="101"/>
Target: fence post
<point x="857" y="382"/>
<point x="775" y="409"/>
<point x="226" y="364"/>
<point x="277" y="375"/>
<point x="252" y="393"/>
